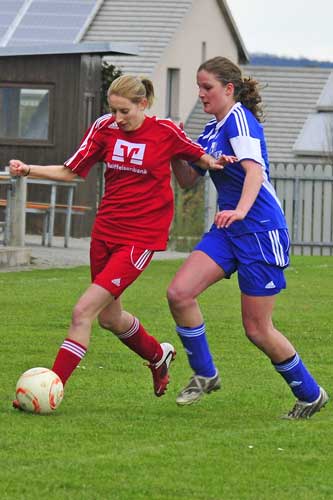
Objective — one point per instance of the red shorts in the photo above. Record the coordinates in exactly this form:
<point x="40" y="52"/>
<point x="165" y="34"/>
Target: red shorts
<point x="115" y="267"/>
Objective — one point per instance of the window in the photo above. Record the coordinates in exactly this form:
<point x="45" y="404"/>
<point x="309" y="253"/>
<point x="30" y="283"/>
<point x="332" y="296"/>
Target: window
<point x="173" y="81"/>
<point x="25" y="114"/>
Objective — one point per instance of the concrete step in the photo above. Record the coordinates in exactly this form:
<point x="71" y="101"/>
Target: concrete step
<point x="14" y="256"/>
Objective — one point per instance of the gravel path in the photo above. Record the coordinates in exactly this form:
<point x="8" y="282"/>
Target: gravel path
<point x="76" y="255"/>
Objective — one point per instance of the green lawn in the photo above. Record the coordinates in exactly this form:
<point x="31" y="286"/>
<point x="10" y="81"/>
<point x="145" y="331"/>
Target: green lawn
<point x="111" y="438"/>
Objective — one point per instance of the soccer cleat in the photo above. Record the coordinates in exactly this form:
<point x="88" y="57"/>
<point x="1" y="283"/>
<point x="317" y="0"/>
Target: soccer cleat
<point x="197" y="387"/>
<point x="302" y="409"/>
<point x="160" y="370"/>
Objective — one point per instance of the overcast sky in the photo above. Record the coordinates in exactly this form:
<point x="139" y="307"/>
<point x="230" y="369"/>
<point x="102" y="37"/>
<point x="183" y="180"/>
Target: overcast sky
<point x="296" y="28"/>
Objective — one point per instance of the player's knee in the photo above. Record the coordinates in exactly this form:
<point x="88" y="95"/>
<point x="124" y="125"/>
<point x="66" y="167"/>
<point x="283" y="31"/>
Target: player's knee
<point x="108" y="323"/>
<point x="253" y="331"/>
<point x="177" y="296"/>
<point x="80" y="316"/>
<point x="104" y="322"/>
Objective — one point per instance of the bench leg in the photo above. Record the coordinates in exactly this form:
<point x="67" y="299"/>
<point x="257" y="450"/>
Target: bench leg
<point x="68" y="216"/>
<point x="8" y="216"/>
<point x="46" y="224"/>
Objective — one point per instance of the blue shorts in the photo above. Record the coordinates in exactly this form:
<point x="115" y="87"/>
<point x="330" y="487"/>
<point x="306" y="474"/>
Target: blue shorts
<point x="259" y="258"/>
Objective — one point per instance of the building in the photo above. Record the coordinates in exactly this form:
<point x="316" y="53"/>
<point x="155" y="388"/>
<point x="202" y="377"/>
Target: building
<point x="172" y="37"/>
<point x="298" y="107"/>
<point x="48" y="98"/>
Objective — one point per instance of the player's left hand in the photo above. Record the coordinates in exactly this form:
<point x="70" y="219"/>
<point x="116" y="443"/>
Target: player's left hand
<point x="226" y="217"/>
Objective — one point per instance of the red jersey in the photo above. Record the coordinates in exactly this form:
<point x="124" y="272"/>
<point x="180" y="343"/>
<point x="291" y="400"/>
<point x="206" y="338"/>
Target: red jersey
<point x="137" y="205"/>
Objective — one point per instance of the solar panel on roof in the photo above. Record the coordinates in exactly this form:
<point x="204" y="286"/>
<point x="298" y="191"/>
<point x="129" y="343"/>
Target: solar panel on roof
<point x="47" y="35"/>
<point x="43" y="21"/>
<point x="10" y="5"/>
<point x="63" y="7"/>
<point x="8" y="12"/>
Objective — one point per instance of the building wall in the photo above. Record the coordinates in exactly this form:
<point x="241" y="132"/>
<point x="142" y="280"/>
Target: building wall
<point x="41" y="70"/>
<point x="204" y="22"/>
<point x="75" y="79"/>
<point x="169" y="34"/>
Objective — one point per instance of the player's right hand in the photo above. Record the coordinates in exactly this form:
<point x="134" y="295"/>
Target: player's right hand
<point x="224" y="159"/>
<point x="17" y="168"/>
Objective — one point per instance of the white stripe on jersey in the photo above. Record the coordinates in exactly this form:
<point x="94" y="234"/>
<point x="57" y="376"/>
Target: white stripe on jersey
<point x="239" y="112"/>
<point x="176" y="130"/>
<point x="95" y="127"/>
<point x="247" y="147"/>
<point x="211" y="130"/>
<point x="207" y="136"/>
<point x="241" y="121"/>
<point x="270" y="188"/>
<point x="240" y="129"/>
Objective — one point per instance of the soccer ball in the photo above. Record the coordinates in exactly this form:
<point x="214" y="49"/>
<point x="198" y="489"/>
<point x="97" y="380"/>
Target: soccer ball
<point x="39" y="390"/>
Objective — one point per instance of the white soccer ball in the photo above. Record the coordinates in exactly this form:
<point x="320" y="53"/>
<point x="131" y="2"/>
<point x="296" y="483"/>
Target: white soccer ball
<point x="39" y="390"/>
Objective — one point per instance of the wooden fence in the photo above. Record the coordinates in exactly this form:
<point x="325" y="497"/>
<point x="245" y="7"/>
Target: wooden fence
<point x="306" y="194"/>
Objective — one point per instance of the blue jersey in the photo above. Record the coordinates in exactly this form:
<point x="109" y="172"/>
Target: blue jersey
<point x="240" y="134"/>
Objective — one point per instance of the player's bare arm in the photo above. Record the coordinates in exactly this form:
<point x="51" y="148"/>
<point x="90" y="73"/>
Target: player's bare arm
<point x="185" y="175"/>
<point x="252" y="184"/>
<point x="54" y="172"/>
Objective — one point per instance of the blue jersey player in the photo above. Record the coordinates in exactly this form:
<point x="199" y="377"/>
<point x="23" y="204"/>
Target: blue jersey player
<point x="249" y="235"/>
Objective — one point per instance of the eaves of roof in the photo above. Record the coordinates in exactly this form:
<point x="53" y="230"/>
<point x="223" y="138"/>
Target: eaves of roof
<point x="243" y="55"/>
<point x="103" y="48"/>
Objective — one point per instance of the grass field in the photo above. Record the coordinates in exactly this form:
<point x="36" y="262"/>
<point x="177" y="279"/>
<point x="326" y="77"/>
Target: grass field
<point x="112" y="439"/>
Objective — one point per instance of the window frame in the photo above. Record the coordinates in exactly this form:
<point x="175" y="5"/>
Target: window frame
<point x="173" y="93"/>
<point x="17" y="141"/>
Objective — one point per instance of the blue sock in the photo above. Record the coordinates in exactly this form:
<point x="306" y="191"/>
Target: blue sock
<point x="299" y="379"/>
<point x="197" y="349"/>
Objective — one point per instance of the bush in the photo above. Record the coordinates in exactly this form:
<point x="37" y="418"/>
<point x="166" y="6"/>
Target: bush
<point x="109" y="73"/>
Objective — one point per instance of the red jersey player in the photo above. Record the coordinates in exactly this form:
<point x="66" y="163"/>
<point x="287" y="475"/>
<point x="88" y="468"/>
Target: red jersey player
<point x="132" y="221"/>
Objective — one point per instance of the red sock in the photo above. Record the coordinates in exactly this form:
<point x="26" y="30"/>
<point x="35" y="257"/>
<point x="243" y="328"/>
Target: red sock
<point x="68" y="357"/>
<point x="145" y="345"/>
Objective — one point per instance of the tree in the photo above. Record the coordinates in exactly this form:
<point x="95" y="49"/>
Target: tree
<point x="109" y="73"/>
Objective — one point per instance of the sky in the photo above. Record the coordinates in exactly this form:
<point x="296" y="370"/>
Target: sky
<point x="293" y="28"/>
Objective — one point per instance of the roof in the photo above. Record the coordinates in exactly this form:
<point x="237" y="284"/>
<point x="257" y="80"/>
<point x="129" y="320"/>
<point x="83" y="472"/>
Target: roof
<point x="72" y="48"/>
<point x="151" y="24"/>
<point x="243" y="55"/>
<point x="36" y="22"/>
<point x="289" y="95"/>
<point x="325" y="101"/>
<point x="316" y="136"/>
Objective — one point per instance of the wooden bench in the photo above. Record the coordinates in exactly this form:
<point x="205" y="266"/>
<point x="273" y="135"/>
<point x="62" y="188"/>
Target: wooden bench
<point x="33" y="207"/>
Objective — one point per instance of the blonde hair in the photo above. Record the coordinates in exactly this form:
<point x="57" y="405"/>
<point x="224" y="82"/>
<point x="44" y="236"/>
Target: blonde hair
<point x="134" y="88"/>
<point x="246" y="89"/>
